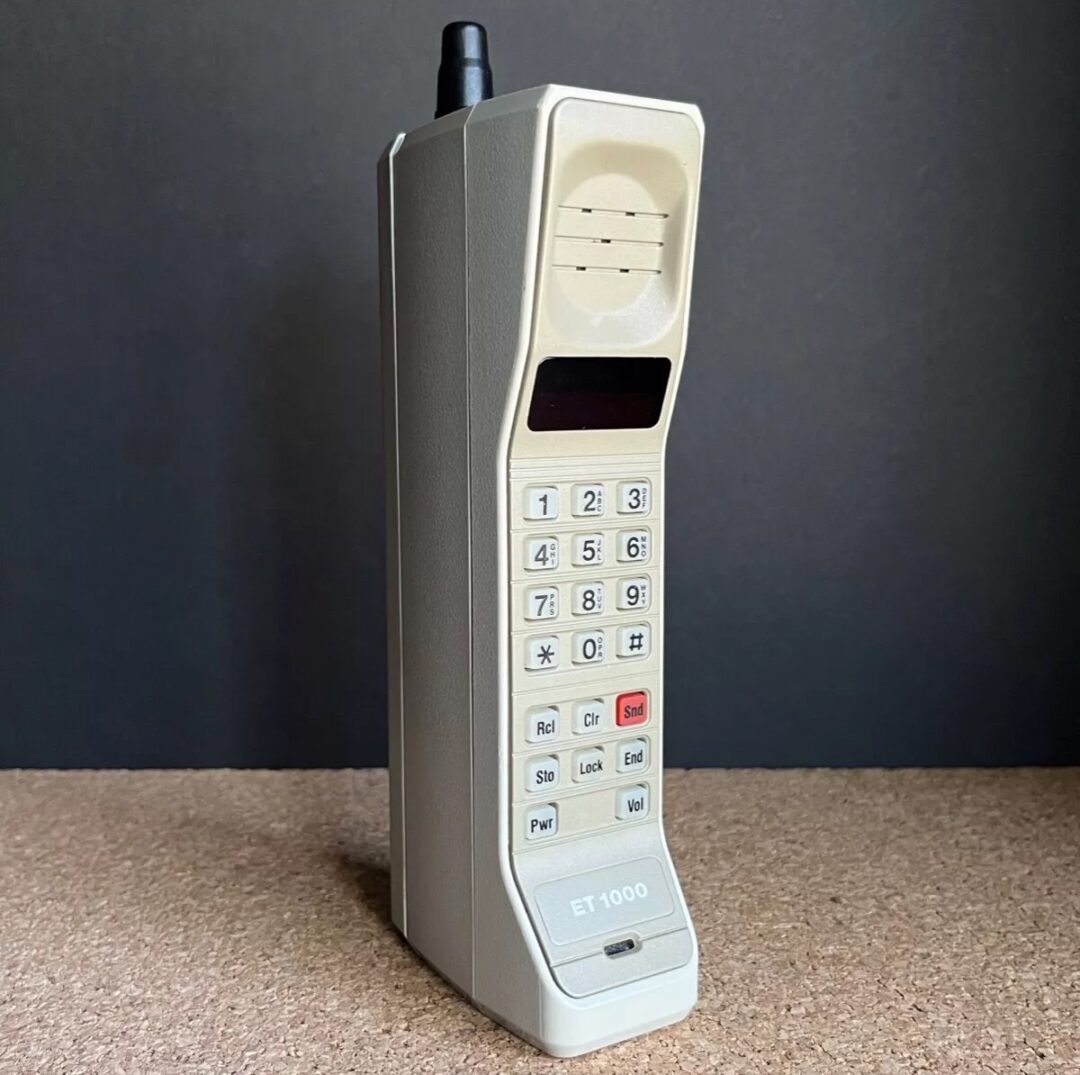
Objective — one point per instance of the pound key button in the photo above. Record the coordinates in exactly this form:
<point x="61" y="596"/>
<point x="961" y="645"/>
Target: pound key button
<point x="631" y="709"/>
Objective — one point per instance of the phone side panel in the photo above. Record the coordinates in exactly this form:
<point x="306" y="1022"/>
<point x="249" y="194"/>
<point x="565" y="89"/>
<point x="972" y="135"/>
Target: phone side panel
<point x="504" y="152"/>
<point x="388" y="340"/>
<point x="433" y="482"/>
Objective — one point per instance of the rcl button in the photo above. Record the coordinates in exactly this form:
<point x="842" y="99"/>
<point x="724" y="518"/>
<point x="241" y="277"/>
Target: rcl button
<point x="632" y="708"/>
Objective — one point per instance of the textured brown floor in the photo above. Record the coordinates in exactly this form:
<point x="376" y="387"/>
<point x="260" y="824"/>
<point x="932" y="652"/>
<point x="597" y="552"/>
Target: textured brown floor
<point x="237" y="922"/>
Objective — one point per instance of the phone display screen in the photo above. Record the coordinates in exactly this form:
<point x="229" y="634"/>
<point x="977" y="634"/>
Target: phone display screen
<point x="598" y="392"/>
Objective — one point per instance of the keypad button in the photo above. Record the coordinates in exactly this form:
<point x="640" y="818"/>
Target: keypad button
<point x="631" y="708"/>
<point x="632" y="803"/>
<point x="589" y="599"/>
<point x="541" y="502"/>
<point x="635" y="498"/>
<point x="542" y="724"/>
<point x="634" y="546"/>
<point x="542" y="603"/>
<point x="634" y="593"/>
<point x="589" y="647"/>
<point x="588" y="500"/>
<point x="542" y="773"/>
<point x="634" y="641"/>
<point x="590" y="716"/>
<point x="589" y="765"/>
<point x="588" y="550"/>
<point x="541" y="554"/>
<point x="632" y="756"/>
<point x="542" y="653"/>
<point x="541" y="822"/>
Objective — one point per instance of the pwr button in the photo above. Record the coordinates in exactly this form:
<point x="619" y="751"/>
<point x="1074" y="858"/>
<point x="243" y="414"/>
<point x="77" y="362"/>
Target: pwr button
<point x="631" y="708"/>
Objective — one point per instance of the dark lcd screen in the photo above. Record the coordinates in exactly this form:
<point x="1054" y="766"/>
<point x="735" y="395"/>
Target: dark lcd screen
<point x="598" y="393"/>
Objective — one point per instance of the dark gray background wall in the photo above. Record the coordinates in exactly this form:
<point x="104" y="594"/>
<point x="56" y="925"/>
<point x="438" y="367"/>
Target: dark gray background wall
<point x="874" y="526"/>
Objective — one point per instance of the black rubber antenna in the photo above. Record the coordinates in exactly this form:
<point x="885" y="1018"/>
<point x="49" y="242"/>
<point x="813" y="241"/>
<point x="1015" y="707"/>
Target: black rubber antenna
<point x="464" y="73"/>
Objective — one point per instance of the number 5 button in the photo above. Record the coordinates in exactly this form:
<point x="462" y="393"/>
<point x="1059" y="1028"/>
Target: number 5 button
<point x="588" y="550"/>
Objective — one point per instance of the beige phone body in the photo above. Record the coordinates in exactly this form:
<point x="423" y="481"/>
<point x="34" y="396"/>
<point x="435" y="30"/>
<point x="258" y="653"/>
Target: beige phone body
<point x="525" y="565"/>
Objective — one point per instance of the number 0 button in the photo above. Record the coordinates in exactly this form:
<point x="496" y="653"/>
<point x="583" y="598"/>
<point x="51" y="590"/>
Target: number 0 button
<point x="589" y="647"/>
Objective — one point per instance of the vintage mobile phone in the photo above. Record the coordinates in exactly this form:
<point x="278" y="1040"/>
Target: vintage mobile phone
<point x="536" y="258"/>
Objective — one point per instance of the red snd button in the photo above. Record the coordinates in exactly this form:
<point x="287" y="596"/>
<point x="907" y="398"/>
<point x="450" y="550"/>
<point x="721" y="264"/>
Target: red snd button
<point x="632" y="708"/>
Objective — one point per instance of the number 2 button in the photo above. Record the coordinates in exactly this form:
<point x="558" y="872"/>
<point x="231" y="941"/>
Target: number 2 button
<point x="542" y="554"/>
<point x="588" y="500"/>
<point x="542" y="603"/>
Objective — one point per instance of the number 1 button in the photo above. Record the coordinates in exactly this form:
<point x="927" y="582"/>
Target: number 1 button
<point x="541" y="502"/>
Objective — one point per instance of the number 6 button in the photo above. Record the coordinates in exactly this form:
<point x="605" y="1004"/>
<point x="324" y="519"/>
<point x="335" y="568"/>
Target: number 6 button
<point x="633" y="545"/>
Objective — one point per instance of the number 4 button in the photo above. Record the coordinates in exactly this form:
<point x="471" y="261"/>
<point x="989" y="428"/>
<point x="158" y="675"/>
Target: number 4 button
<point x="542" y="554"/>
